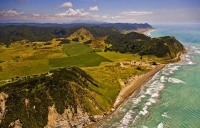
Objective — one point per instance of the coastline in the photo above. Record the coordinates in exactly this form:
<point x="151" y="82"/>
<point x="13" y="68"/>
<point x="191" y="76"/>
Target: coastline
<point x="128" y="90"/>
<point x="125" y="93"/>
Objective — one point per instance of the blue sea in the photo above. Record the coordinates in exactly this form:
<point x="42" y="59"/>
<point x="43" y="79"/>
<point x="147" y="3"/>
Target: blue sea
<point x="171" y="99"/>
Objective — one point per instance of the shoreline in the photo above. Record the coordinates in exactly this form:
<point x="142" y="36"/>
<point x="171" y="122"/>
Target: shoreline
<point x="126" y="92"/>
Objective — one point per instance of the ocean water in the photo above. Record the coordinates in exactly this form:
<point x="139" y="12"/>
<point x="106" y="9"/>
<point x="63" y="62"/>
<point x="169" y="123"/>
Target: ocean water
<point x="171" y="99"/>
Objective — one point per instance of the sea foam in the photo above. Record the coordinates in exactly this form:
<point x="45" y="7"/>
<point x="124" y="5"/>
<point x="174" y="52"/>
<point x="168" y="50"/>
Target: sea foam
<point x="162" y="79"/>
<point x="155" y="95"/>
<point x="161" y="125"/>
<point x="175" y="80"/>
<point x="165" y="115"/>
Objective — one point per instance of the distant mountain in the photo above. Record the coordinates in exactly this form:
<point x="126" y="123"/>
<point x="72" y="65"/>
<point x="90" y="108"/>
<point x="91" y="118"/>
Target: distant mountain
<point x="127" y="26"/>
<point x="119" y="26"/>
<point x="87" y="22"/>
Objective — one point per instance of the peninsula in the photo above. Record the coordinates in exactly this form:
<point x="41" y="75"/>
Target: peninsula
<point x="74" y="76"/>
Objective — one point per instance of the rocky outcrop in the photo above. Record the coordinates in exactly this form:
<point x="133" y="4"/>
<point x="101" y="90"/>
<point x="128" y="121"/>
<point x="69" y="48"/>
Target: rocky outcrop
<point x="15" y="124"/>
<point x="3" y="97"/>
<point x="69" y="118"/>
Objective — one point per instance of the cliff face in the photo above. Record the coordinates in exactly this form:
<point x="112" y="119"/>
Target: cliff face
<point x="3" y="98"/>
<point x="173" y="45"/>
<point x="64" y="97"/>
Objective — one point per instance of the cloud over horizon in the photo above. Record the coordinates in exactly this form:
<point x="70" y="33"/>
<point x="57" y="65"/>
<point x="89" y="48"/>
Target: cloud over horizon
<point x="60" y="11"/>
<point x="136" y="13"/>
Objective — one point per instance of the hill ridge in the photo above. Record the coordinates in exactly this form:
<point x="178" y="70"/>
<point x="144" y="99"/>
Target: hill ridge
<point x="81" y="35"/>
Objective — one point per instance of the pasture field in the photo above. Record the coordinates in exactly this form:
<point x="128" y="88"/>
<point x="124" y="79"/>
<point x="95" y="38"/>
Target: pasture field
<point x="79" y="55"/>
<point x="84" y="60"/>
<point x="75" y="49"/>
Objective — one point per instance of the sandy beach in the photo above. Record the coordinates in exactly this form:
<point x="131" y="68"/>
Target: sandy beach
<point x="135" y="83"/>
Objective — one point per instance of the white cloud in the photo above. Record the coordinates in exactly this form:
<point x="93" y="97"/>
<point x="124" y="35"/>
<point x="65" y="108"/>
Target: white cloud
<point x="135" y="13"/>
<point x="115" y="18"/>
<point x="10" y="13"/>
<point x="72" y="12"/>
<point x="104" y="17"/>
<point x="36" y="15"/>
<point x="65" y="5"/>
<point x="95" y="8"/>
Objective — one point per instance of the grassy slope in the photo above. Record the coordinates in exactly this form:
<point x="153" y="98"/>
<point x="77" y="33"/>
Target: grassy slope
<point x="109" y="75"/>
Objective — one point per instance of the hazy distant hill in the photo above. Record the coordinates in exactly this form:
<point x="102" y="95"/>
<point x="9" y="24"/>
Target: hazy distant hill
<point x="119" y="26"/>
<point x="11" y="33"/>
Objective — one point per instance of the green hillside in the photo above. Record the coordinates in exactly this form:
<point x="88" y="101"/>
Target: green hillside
<point x="138" y="43"/>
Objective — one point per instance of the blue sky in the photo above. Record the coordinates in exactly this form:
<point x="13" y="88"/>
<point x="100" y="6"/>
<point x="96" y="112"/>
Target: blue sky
<point x="131" y="11"/>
